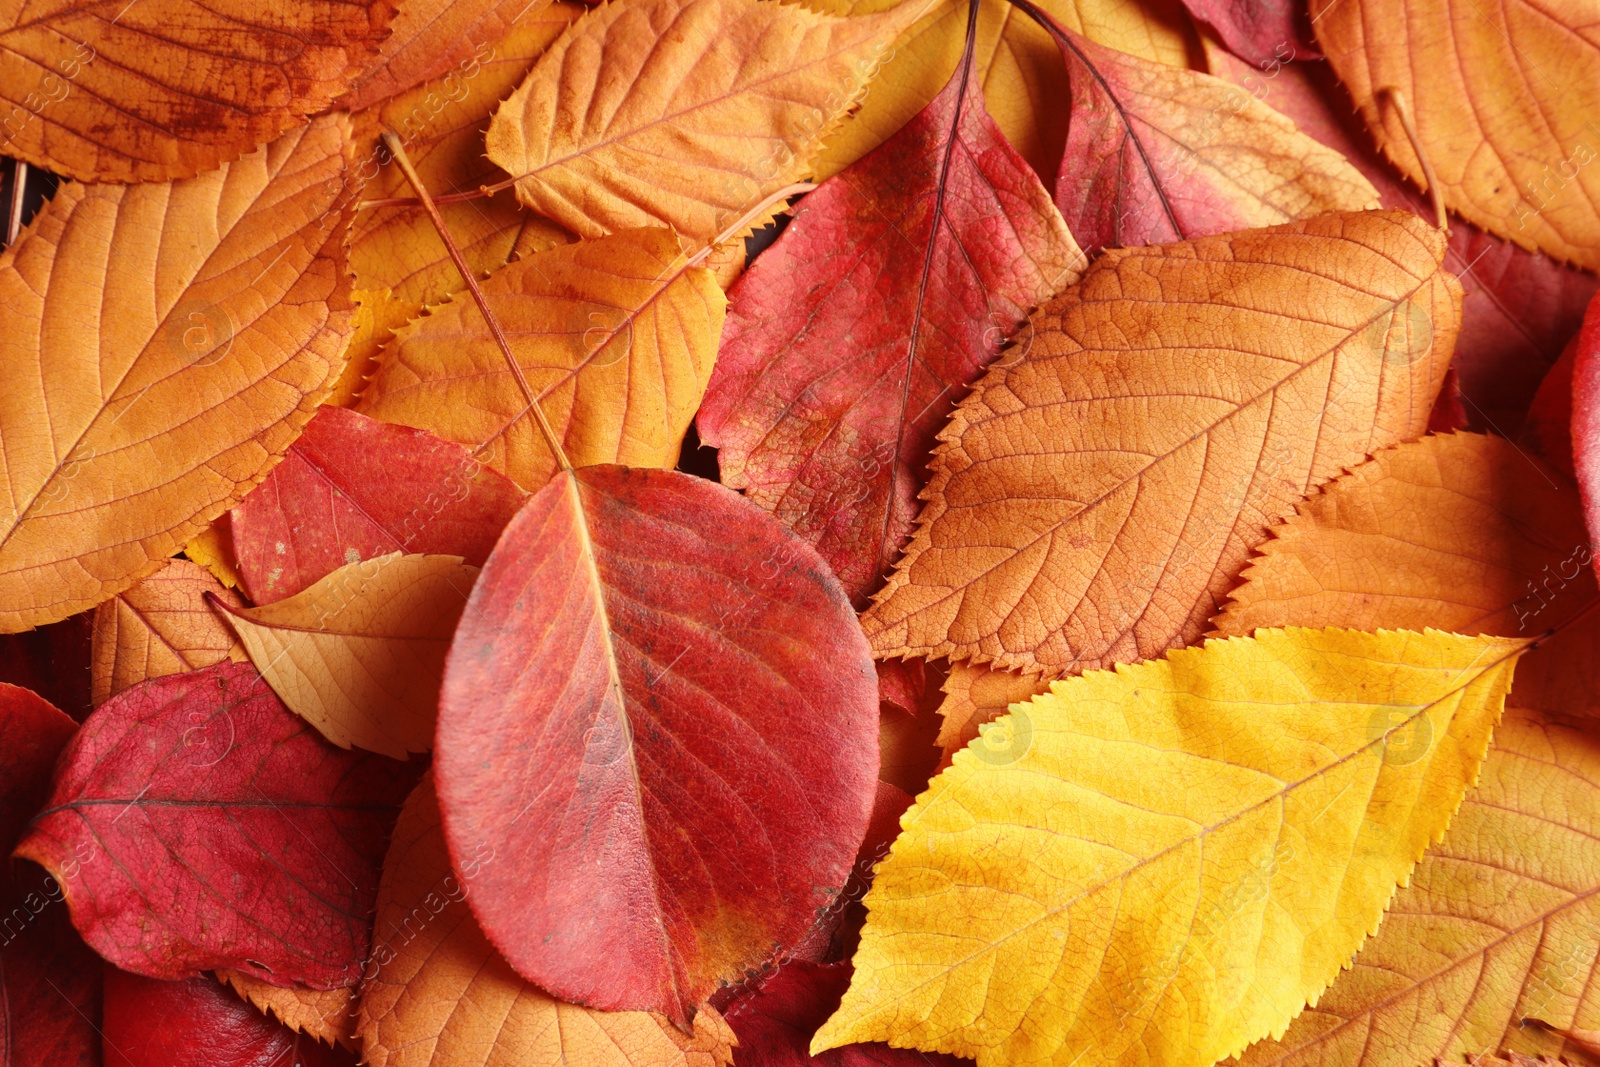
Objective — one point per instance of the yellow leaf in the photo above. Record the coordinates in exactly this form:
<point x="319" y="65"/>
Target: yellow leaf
<point x="326" y="1014"/>
<point x="360" y="653"/>
<point x="367" y="336"/>
<point x="1501" y="922"/>
<point x="1170" y="860"/>
<point x="1506" y="99"/>
<point x="617" y="337"/>
<point x="1024" y="80"/>
<point x="164" y="346"/>
<point x="1100" y="489"/>
<point x="682" y="112"/>
<point x="437" y="994"/>
<point x="1459" y="531"/>
<point x="212" y="548"/>
<point x="160" y="625"/>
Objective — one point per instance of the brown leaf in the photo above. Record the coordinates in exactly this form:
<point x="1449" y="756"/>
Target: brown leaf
<point x="976" y="696"/>
<point x="161" y="625"/>
<point x="1095" y="497"/>
<point x="165" y="344"/>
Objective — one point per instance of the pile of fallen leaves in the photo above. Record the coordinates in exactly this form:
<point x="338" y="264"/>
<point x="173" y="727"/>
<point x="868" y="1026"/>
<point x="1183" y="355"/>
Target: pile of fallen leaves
<point x="699" y="532"/>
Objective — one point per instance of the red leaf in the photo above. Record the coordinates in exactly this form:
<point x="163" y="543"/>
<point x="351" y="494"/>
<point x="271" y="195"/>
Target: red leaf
<point x="1549" y="425"/>
<point x="902" y="684"/>
<point x="49" y="980"/>
<point x="659" y="725"/>
<point x="1263" y="32"/>
<point x="196" y="822"/>
<point x="849" y="340"/>
<point x="1586" y="420"/>
<point x="53" y="661"/>
<point x="198" y="1023"/>
<point x="352" y="488"/>
<point x="775" y="1024"/>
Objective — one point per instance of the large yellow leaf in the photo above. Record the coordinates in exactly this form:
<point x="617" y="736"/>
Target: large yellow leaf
<point x="1169" y="860"/>
<point x="160" y="625"/>
<point x="617" y="337"/>
<point x="164" y="344"/>
<point x="682" y="112"/>
<point x="1506" y="97"/>
<point x="1024" y="80"/>
<point x="437" y="994"/>
<point x="1462" y="532"/>
<point x="360" y="653"/>
<point x="1501" y="922"/>
<point x="1098" y="492"/>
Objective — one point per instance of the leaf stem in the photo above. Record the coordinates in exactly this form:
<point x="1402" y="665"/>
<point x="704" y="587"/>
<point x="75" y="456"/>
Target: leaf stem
<point x="411" y="201"/>
<point x="1398" y="100"/>
<point x="743" y="221"/>
<point x="399" y="152"/>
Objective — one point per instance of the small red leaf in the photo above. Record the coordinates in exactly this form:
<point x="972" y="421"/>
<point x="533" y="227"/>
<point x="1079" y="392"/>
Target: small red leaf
<point x="352" y="488"/>
<point x="1549" y="425"/>
<point x="1586" y="420"/>
<point x="659" y="725"/>
<point x="196" y="822"/>
<point x="198" y="1023"/>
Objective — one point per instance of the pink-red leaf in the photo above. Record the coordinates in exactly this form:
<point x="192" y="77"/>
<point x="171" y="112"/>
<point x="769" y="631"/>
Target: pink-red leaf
<point x="1263" y="32"/>
<point x="196" y="822"/>
<point x="848" y="342"/>
<point x="1586" y="419"/>
<point x="659" y="720"/>
<point x="352" y="488"/>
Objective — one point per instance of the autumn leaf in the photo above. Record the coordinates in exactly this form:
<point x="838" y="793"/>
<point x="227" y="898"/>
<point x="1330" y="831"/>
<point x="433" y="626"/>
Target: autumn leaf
<point x="195" y="823"/>
<point x="682" y="113"/>
<point x="1586" y="416"/>
<point x="1264" y="32"/>
<point x="1498" y="924"/>
<point x="1548" y="430"/>
<point x="438" y="995"/>
<point x="1171" y="859"/>
<point x="169" y="88"/>
<point x="617" y="337"/>
<point x="1157" y="154"/>
<point x="212" y="548"/>
<point x="671" y="694"/>
<point x="1191" y="394"/>
<point x="360" y="653"/>
<point x="161" y="625"/>
<point x="352" y="488"/>
<point x="1458" y="531"/>
<point x="207" y="317"/>
<point x="1504" y="102"/>
<point x="325" y="1014"/>
<point x="198" y="1023"/>
<point x="976" y="696"/>
<point x="849" y="341"/>
<point x="902" y="685"/>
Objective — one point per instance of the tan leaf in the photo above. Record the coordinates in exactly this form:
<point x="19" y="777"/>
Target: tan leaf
<point x="326" y="1014"/>
<point x="160" y="625"/>
<point x="682" y="112"/>
<point x="360" y="653"/>
<point x="1459" y="531"/>
<point x="975" y="696"/>
<point x="1506" y="98"/>
<point x="1095" y="497"/>
<point x="164" y="345"/>
<point x="169" y="88"/>
<point x="617" y="337"/>
<point x="437" y="994"/>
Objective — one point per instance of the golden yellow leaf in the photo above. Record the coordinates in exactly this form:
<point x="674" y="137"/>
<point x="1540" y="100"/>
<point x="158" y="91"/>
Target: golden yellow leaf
<point x="437" y="994"/>
<point x="617" y="337"/>
<point x="360" y="653"/>
<point x="1169" y="860"/>
<point x="682" y="112"/>
<point x="441" y="124"/>
<point x="1097" y="493"/>
<point x="1500" y="922"/>
<point x="212" y="548"/>
<point x="164" y="89"/>
<point x="160" y="625"/>
<point x="165" y="344"/>
<point x="1459" y="531"/>
<point x="367" y="336"/>
<point x="326" y="1014"/>
<point x="976" y="696"/>
<point x="1506" y="99"/>
<point x="1024" y="80"/>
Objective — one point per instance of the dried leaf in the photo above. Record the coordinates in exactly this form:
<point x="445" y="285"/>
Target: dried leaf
<point x="168" y="343"/>
<point x="53" y="661"/>
<point x="682" y="113"/>
<point x="1264" y="32"/>
<point x="161" y="625"/>
<point x="617" y="337"/>
<point x="1095" y="498"/>
<point x="352" y="488"/>
<point x="976" y="696"/>
<point x="169" y="88"/>
<point x="195" y="823"/>
<point x="1505" y="105"/>
<point x="1586" y="416"/>
<point x="633" y="718"/>
<point x="439" y="995"/>
<point x="1463" y="532"/>
<point x="1171" y="859"/>
<point x="849" y="341"/>
<point x="329" y="1015"/>
<point x="359" y="654"/>
<point x="1500" y="922"/>
<point x="212" y="548"/>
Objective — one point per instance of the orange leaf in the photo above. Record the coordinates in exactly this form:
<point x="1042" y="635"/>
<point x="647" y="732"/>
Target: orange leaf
<point x="159" y="626"/>
<point x="975" y="696"/>
<point x="326" y="1014"/>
